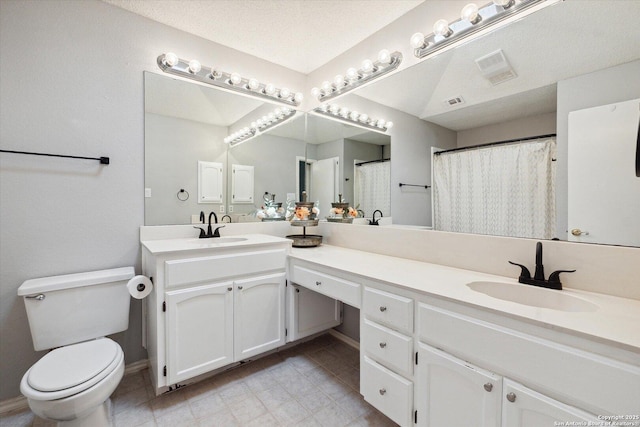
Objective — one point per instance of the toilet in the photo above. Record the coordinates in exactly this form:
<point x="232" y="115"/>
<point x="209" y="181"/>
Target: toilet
<point x="73" y="314"/>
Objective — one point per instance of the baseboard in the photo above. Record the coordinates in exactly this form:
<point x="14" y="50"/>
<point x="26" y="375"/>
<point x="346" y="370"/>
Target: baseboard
<point x="345" y="339"/>
<point x="20" y="403"/>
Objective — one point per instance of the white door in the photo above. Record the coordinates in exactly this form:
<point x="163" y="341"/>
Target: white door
<point x="259" y="315"/>
<point x="604" y="191"/>
<point x="325" y="184"/>
<point x="199" y="330"/>
<point x="523" y="407"/>
<point x="451" y="392"/>
<point x="242" y="184"/>
<point x="310" y="312"/>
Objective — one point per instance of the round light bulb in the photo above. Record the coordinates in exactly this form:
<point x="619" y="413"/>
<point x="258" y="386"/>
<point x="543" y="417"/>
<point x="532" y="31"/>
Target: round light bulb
<point x="269" y="89"/>
<point x="226" y="140"/>
<point x="381" y="123"/>
<point x="503" y="3"/>
<point x="334" y="108"/>
<point x="254" y="125"/>
<point x="352" y="74"/>
<point x="354" y="116"/>
<point x="384" y="56"/>
<point x="339" y="81"/>
<point x="271" y="116"/>
<point x="277" y="112"/>
<point x="170" y="59"/>
<point x="344" y="112"/>
<point x="260" y="122"/>
<point x="194" y="66"/>
<point x="363" y="118"/>
<point x="215" y="73"/>
<point x="235" y="79"/>
<point x="470" y="13"/>
<point x="367" y="66"/>
<point x="389" y="125"/>
<point x="441" y="28"/>
<point x="254" y="84"/>
<point x="324" y="107"/>
<point x="315" y="92"/>
<point x="298" y="97"/>
<point x="286" y="111"/>
<point x="326" y="87"/>
<point x="417" y="41"/>
<point x="285" y="93"/>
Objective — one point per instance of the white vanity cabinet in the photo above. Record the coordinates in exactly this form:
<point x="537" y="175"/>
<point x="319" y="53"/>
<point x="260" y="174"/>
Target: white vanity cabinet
<point x="386" y="335"/>
<point x="309" y="312"/>
<point x="213" y="306"/>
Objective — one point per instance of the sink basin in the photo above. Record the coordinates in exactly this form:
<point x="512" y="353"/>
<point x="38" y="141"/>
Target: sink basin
<point x="533" y="296"/>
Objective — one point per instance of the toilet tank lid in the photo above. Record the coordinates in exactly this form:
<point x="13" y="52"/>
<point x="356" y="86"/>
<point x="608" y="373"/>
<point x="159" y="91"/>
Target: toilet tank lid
<point x="68" y="281"/>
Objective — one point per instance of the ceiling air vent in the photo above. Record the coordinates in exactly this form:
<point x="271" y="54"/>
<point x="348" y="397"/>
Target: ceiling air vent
<point x="456" y="100"/>
<point x="495" y="67"/>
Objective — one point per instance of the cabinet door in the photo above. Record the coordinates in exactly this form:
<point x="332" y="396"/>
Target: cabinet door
<point x="259" y="315"/>
<point x="310" y="312"/>
<point x="242" y="184"/>
<point x="199" y="330"/>
<point x="451" y="392"/>
<point x="523" y="407"/>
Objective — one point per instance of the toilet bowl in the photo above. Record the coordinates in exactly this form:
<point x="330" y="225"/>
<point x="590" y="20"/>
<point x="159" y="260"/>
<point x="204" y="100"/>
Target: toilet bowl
<point x="72" y="384"/>
<point x="72" y="314"/>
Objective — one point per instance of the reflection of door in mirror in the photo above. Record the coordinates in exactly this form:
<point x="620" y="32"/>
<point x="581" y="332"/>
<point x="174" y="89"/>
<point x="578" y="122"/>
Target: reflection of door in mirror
<point x="324" y="183"/>
<point x="604" y="139"/>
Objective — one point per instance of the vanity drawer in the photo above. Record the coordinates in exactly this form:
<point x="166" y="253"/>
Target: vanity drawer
<point x="586" y="380"/>
<point x="392" y="310"/>
<point x="334" y="287"/>
<point x="390" y="393"/>
<point x="210" y="268"/>
<point x="388" y="347"/>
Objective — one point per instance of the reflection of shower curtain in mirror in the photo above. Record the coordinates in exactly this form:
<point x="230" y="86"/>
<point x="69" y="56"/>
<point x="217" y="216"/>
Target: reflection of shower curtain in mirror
<point x="373" y="187"/>
<point x="504" y="190"/>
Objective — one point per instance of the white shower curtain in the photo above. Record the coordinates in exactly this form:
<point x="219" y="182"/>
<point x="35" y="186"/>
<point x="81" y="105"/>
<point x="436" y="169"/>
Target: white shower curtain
<point x="504" y="190"/>
<point x="373" y="191"/>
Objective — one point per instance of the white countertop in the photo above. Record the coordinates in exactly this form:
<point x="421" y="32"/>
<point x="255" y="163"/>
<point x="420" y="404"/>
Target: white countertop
<point x="615" y="320"/>
<point x="162" y="246"/>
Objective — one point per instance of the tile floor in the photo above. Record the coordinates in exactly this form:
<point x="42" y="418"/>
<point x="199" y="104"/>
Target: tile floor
<point x="315" y="383"/>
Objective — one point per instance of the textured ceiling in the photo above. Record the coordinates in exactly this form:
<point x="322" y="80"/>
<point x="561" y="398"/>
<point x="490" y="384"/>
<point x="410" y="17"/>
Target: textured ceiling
<point x="298" y="34"/>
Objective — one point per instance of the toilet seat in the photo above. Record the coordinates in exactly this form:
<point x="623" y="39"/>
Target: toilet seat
<point x="70" y="370"/>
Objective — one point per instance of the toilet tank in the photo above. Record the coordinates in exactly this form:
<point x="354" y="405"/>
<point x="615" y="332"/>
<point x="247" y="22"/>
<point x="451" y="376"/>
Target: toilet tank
<point x="78" y="307"/>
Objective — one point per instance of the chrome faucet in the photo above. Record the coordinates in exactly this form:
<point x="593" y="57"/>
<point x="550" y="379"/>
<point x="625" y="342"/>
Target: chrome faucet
<point x="226" y="216"/>
<point x="538" y="277"/>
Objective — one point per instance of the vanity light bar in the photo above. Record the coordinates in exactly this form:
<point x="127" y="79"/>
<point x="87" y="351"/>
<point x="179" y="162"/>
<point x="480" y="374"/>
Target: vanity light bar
<point x="273" y="119"/>
<point x="473" y="20"/>
<point x="353" y="117"/>
<point x="170" y="63"/>
<point x="354" y="78"/>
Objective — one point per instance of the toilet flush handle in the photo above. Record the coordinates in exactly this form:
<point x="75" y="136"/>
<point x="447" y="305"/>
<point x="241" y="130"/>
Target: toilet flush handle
<point x="38" y="297"/>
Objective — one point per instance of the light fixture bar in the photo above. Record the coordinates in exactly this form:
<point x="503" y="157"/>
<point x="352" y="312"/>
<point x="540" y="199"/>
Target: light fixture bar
<point x="354" y="118"/>
<point x="473" y="21"/>
<point x="170" y="63"/>
<point x="369" y="71"/>
<point x="260" y="126"/>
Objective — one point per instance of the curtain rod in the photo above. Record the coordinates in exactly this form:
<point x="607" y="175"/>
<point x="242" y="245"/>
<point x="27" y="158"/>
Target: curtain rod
<point x="102" y="160"/>
<point x="471" y="147"/>
<point x="373" y="161"/>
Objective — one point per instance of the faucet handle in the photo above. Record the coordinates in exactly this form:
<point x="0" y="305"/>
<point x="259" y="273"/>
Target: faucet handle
<point x="555" y="276"/>
<point x="202" y="233"/>
<point x="216" y="233"/>
<point x="524" y="273"/>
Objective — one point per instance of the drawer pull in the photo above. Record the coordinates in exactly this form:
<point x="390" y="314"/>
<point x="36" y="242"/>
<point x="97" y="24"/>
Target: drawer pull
<point x="240" y="287"/>
<point x="382" y="391"/>
<point x="318" y="283"/>
<point x="511" y="397"/>
<point x="38" y="297"/>
<point x="488" y="387"/>
<point x="383" y="308"/>
<point x="383" y="344"/>
<point x="229" y="288"/>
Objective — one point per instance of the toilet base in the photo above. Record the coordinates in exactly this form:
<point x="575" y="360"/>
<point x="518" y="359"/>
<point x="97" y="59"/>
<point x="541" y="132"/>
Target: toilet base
<point x="101" y="417"/>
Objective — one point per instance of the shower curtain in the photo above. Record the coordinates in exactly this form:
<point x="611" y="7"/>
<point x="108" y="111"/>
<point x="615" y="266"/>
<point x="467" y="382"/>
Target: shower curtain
<point x="504" y="190"/>
<point x="373" y="190"/>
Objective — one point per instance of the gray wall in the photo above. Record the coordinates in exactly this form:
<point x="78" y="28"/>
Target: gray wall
<point x="71" y="79"/>
<point x="615" y="84"/>
<point x="541" y="124"/>
<point x="173" y="147"/>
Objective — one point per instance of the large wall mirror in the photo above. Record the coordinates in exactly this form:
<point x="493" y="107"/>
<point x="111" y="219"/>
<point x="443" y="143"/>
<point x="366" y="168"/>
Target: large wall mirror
<point x="572" y="56"/>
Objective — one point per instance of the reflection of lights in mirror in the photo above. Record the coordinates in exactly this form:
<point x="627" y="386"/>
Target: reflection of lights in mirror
<point x="261" y="125"/>
<point x="170" y="63"/>
<point x="353" y="117"/>
<point x="369" y="71"/>
<point x="473" y="21"/>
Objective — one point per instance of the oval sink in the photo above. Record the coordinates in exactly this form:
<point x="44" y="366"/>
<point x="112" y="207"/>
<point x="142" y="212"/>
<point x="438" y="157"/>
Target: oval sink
<point x="533" y="296"/>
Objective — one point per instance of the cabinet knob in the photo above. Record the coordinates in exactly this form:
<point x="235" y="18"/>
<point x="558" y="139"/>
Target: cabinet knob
<point x="240" y="287"/>
<point x="382" y="391"/>
<point x="511" y="397"/>
<point x="383" y="344"/>
<point x="383" y="308"/>
<point x="229" y="288"/>
<point x="488" y="386"/>
<point x="318" y="283"/>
